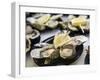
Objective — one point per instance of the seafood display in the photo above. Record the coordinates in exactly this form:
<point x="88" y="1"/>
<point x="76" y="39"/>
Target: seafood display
<point x="55" y="39"/>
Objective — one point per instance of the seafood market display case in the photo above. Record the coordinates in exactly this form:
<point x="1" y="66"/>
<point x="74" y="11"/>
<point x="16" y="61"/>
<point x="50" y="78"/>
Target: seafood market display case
<point x="50" y="39"/>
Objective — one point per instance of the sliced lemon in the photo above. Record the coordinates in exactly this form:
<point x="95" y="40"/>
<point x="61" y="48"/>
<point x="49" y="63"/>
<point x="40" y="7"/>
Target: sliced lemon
<point x="61" y="39"/>
<point x="43" y="19"/>
<point x="79" y="21"/>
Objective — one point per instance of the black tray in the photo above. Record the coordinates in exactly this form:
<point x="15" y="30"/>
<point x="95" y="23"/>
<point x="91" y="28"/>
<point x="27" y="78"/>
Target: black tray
<point x="59" y="60"/>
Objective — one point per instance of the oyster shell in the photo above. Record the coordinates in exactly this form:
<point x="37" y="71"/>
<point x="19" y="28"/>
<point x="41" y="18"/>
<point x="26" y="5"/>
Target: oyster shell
<point x="67" y="51"/>
<point x="81" y="22"/>
<point x="38" y="48"/>
<point x="49" y="52"/>
<point x="70" y="17"/>
<point x="34" y="36"/>
<point x="31" y="20"/>
<point x="63" y="25"/>
<point x="72" y="28"/>
<point x="56" y="17"/>
<point x="28" y="45"/>
<point x="39" y="23"/>
<point x="52" y="24"/>
<point x="29" y="29"/>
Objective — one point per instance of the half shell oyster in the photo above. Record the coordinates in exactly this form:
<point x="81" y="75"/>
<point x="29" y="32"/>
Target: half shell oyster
<point x="67" y="51"/>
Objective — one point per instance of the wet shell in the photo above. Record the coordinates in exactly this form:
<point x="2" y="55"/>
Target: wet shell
<point x="28" y="45"/>
<point x="63" y="25"/>
<point x="49" y="52"/>
<point x="56" y="17"/>
<point x="38" y="48"/>
<point x="34" y="37"/>
<point x="67" y="51"/>
<point x="29" y="29"/>
<point x="52" y="24"/>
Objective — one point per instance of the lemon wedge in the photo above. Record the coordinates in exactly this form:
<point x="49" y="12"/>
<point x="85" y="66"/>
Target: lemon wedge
<point x="43" y="19"/>
<point x="61" y="39"/>
<point x="79" y="21"/>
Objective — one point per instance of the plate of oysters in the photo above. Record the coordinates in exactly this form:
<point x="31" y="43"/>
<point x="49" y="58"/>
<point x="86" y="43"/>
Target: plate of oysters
<point x="56" y="39"/>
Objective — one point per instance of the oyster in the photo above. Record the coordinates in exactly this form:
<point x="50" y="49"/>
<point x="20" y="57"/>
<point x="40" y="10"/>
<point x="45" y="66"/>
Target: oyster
<point x="63" y="25"/>
<point x="70" y="17"/>
<point x="67" y="51"/>
<point x="78" y="40"/>
<point x="31" y="20"/>
<point x="34" y="36"/>
<point x="72" y="28"/>
<point x="29" y="29"/>
<point x="52" y="24"/>
<point x="81" y="22"/>
<point x="36" y="51"/>
<point x="39" y="26"/>
<point x="28" y="45"/>
<point x="56" y="17"/>
<point x="49" y="53"/>
<point x="39" y="23"/>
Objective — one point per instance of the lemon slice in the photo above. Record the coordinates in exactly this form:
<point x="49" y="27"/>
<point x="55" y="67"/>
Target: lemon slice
<point x="61" y="39"/>
<point x="79" y="21"/>
<point x="43" y="19"/>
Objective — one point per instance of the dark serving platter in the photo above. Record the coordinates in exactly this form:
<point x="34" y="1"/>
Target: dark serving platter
<point x="79" y="32"/>
<point x="87" y="59"/>
<point x="59" y="60"/>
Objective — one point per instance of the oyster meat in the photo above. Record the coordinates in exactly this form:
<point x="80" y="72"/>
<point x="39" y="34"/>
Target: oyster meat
<point x="67" y="51"/>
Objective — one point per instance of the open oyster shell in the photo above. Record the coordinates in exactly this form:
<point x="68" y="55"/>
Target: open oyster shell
<point x="28" y="45"/>
<point x="34" y="36"/>
<point x="67" y="51"/>
<point x="36" y="51"/>
<point x="56" y="17"/>
<point x="52" y="24"/>
<point x="47" y="51"/>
